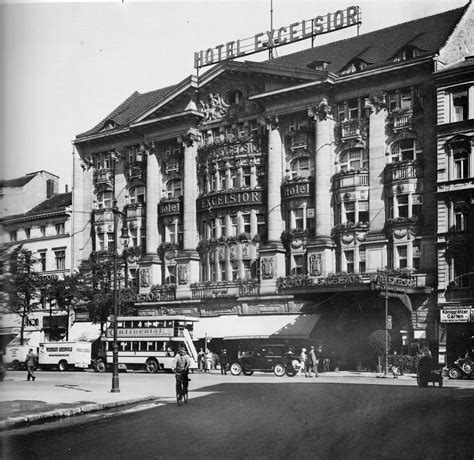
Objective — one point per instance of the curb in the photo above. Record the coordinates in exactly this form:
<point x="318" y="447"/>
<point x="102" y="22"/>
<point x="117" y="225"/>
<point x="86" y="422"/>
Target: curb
<point x="23" y="420"/>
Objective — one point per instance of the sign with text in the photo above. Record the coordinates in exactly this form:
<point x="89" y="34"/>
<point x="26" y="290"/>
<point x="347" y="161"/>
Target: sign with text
<point x="229" y="199"/>
<point x="142" y="332"/>
<point x="455" y="315"/>
<point x="295" y="32"/>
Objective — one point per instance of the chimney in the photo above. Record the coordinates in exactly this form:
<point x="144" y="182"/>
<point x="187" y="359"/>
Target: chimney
<point x="67" y="188"/>
<point x="50" y="188"/>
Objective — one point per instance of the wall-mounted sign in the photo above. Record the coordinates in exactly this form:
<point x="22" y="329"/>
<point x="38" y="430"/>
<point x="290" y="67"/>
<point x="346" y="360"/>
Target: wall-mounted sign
<point x="296" y="189"/>
<point x="169" y="208"/>
<point x="274" y="38"/>
<point x="229" y="199"/>
<point x="455" y="315"/>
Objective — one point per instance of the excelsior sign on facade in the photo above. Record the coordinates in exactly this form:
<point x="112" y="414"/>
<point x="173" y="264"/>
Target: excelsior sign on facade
<point x="292" y="33"/>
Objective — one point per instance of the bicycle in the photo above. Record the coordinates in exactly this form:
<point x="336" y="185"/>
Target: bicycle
<point x="182" y="384"/>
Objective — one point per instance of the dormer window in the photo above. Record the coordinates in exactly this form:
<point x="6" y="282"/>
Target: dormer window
<point x="406" y="53"/>
<point x="108" y="125"/>
<point x="356" y="65"/>
<point x="318" y="65"/>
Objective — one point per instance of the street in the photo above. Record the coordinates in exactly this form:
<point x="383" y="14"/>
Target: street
<point x="263" y="416"/>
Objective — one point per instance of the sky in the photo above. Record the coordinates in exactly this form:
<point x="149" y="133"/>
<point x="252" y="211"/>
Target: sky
<point x="65" y="66"/>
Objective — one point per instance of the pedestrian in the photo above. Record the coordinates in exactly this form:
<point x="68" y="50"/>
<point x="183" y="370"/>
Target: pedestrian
<point x="30" y="362"/>
<point x="224" y="361"/>
<point x="303" y="358"/>
<point x="201" y="360"/>
<point x="312" y="363"/>
<point x="426" y="351"/>
<point x="395" y="365"/>
<point x="209" y="361"/>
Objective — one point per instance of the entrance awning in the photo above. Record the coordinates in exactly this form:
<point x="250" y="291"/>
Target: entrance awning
<point x="256" y="327"/>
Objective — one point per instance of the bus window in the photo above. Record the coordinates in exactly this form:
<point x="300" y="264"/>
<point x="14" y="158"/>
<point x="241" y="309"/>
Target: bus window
<point x="150" y="346"/>
<point x="135" y="346"/>
<point x="125" y="346"/>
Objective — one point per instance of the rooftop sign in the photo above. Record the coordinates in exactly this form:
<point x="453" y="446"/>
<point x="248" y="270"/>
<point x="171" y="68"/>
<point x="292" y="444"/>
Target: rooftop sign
<point x="274" y="38"/>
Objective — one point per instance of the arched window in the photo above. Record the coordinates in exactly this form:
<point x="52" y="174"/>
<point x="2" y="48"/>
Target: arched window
<point x="353" y="159"/>
<point x="406" y="150"/>
<point x="173" y="188"/>
<point x="300" y="167"/>
<point x="137" y="195"/>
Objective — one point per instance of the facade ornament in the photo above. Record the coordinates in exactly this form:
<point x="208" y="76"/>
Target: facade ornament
<point x="321" y="112"/>
<point x="315" y="265"/>
<point x="214" y="107"/>
<point x="267" y="268"/>
<point x="145" y="277"/>
<point x="376" y="103"/>
<point x="271" y="122"/>
<point x="182" y="273"/>
<point x="193" y="135"/>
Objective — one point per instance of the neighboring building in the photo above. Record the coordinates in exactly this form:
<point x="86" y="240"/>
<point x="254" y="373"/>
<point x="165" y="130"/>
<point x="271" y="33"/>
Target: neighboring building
<point x="282" y="187"/>
<point x="44" y="230"/>
<point x="455" y="244"/>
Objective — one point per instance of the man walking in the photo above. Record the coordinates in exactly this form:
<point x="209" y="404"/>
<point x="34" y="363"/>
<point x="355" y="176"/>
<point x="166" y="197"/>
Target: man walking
<point x="313" y="362"/>
<point x="30" y="364"/>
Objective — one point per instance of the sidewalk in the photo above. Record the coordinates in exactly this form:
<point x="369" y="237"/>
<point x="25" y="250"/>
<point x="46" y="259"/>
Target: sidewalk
<point x="55" y="395"/>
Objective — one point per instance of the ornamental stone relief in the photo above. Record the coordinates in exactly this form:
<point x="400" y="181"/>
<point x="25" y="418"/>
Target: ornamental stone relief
<point x="214" y="107"/>
<point x="145" y="277"/>
<point x="182" y="273"/>
<point x="315" y="265"/>
<point x="267" y="268"/>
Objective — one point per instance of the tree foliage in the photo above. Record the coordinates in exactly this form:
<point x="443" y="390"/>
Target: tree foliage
<point x="377" y="341"/>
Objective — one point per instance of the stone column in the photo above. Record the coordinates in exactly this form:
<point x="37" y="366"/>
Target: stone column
<point x="471" y="156"/>
<point x="150" y="265"/>
<point x="323" y="246"/>
<point x="471" y="103"/>
<point x="272" y="254"/>
<point x="187" y="262"/>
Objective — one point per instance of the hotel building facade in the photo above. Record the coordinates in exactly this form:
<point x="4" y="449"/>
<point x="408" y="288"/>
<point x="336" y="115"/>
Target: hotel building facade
<point x="299" y="193"/>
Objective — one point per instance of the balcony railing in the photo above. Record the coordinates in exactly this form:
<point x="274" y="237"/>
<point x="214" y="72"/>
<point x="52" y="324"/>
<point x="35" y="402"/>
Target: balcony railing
<point x="215" y="289"/>
<point x="103" y="176"/>
<point x="402" y="120"/>
<point x="352" y="178"/>
<point x="134" y="211"/>
<point x="103" y="215"/>
<point x="403" y="171"/>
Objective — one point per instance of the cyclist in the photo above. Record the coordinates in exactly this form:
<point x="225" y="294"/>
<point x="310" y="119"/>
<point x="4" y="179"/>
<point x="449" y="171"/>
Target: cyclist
<point x="181" y="364"/>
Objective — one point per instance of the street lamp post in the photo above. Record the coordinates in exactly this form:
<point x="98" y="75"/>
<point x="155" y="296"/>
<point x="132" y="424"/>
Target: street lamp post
<point x="386" y="323"/>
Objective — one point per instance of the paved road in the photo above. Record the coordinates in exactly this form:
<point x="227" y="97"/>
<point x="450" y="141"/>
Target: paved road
<point x="267" y="417"/>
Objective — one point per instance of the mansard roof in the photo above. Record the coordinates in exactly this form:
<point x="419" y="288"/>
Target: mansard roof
<point x="377" y="48"/>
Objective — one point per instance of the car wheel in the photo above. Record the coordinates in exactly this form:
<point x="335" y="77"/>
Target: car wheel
<point x="247" y="372"/>
<point x="100" y="366"/>
<point x="454" y="373"/>
<point x="467" y="368"/>
<point x="16" y="365"/>
<point x="279" y="370"/>
<point x="62" y="365"/>
<point x="151" y="366"/>
<point x="291" y="371"/>
<point x="235" y="369"/>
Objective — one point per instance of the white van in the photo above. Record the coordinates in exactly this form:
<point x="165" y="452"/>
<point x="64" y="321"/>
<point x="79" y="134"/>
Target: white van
<point x="14" y="355"/>
<point x="64" y="355"/>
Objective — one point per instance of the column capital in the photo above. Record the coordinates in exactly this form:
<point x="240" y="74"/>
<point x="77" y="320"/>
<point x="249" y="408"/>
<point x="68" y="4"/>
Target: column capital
<point x="271" y="122"/>
<point x="320" y="112"/>
<point x="193" y="135"/>
<point x="148" y="147"/>
<point x="376" y="103"/>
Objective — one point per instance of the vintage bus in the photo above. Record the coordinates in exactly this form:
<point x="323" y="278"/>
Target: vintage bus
<point x="148" y="342"/>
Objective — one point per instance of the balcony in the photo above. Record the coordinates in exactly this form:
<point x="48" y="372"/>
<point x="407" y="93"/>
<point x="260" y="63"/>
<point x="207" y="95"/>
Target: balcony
<point x="103" y="215"/>
<point x="103" y="177"/>
<point x="351" y="130"/>
<point x="403" y="170"/>
<point x="215" y="289"/>
<point x="135" y="211"/>
<point x="135" y="172"/>
<point x="351" y="179"/>
<point x="402" y="120"/>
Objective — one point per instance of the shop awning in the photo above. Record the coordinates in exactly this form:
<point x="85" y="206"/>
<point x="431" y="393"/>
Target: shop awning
<point x="293" y="326"/>
<point x="84" y="332"/>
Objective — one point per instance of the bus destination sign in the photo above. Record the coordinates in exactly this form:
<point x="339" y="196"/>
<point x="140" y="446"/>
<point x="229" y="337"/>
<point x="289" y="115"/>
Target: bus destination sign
<point x="295" y="32"/>
<point x="142" y="332"/>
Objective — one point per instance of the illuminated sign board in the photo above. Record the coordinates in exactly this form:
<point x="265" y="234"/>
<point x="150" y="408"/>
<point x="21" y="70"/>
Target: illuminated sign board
<point x="455" y="315"/>
<point x="292" y="33"/>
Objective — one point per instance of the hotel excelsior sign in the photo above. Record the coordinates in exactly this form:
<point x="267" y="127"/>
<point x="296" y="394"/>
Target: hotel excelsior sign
<point x="292" y="33"/>
<point x="230" y="199"/>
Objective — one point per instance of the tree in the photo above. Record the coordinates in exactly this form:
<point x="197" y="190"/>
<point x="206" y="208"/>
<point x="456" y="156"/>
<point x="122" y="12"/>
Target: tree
<point x="21" y="285"/>
<point x="377" y="341"/>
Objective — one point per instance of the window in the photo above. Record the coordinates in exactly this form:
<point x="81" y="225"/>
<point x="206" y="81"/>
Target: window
<point x="297" y="265"/>
<point x="213" y="272"/>
<point x="173" y="188"/>
<point x="400" y="99"/>
<point x="60" y="257"/>
<point x="353" y="109"/>
<point x="300" y="167"/>
<point x="137" y="195"/>
<point x="261" y="176"/>
<point x="221" y="221"/>
<point x="43" y="230"/>
<point x="356" y="65"/>
<point x="461" y="165"/>
<point x="402" y="204"/>
<point x="110" y="242"/>
<point x="349" y="207"/>
<point x="42" y="261"/>
<point x="405" y="99"/>
<point x="171" y="271"/>
<point x="234" y="265"/>
<point x="246" y="173"/>
<point x="27" y="233"/>
<point x="59" y="228"/>
<point x="104" y="200"/>
<point x="246" y="223"/>
<point x="417" y="205"/>
<point x="362" y="265"/>
<point x="233" y="225"/>
<point x="402" y="256"/>
<point x="363" y="211"/>
<point x="299" y="218"/>
<point x="406" y="150"/>
<point x="172" y="232"/>
<point x="247" y="269"/>
<point x="212" y="181"/>
<point x="212" y="228"/>
<point x="101" y="241"/>
<point x="406" y="53"/>
<point x="353" y="159"/>
<point x="416" y="255"/>
<point x="222" y="180"/>
<point x="460" y="106"/>
<point x="261" y="224"/>
<point x="349" y="258"/>
<point x="222" y="270"/>
<point x="134" y="237"/>
<point x="461" y="218"/>
<point x="234" y="178"/>
<point x="13" y="235"/>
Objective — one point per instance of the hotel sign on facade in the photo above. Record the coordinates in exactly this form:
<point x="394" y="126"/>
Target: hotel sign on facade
<point x="297" y="31"/>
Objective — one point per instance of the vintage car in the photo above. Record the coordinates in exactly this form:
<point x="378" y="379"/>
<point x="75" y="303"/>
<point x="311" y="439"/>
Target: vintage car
<point x="266" y="358"/>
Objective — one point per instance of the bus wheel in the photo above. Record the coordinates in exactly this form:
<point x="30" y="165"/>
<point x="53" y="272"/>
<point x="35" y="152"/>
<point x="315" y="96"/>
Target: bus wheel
<point x="151" y="366"/>
<point x="100" y="366"/>
<point x="15" y="365"/>
<point x="62" y="365"/>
